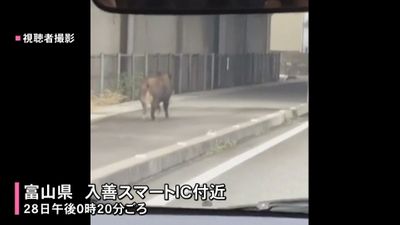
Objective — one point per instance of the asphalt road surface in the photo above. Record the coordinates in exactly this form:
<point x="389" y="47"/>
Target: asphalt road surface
<point x="279" y="170"/>
<point x="126" y="135"/>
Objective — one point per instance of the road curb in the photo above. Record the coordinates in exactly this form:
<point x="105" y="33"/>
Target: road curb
<point x="142" y="166"/>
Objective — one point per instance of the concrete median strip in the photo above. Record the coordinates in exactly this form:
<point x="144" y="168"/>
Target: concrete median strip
<point x="137" y="168"/>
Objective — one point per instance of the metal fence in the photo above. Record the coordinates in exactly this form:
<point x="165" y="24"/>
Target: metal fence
<point x="294" y="63"/>
<point x="190" y="72"/>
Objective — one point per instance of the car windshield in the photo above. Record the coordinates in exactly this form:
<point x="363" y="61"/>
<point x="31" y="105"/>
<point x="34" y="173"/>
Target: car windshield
<point x="202" y="111"/>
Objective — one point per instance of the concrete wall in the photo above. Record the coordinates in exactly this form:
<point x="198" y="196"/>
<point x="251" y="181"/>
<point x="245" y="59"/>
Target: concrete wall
<point x="287" y="32"/>
<point x="155" y="34"/>
<point x="198" y="34"/>
<point x="225" y="34"/>
<point x="174" y="34"/>
<point x="257" y="33"/>
<point x="243" y="34"/>
<point x="232" y="34"/>
<point x="104" y="31"/>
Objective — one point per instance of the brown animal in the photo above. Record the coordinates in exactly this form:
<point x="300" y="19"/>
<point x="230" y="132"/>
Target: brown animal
<point x="154" y="90"/>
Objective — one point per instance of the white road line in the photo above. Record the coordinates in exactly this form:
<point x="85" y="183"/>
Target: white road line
<point x="233" y="162"/>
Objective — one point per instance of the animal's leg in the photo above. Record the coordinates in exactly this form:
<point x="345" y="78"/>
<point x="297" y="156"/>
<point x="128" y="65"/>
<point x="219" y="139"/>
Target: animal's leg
<point x="166" y="104"/>
<point x="154" y="105"/>
<point x="144" y="107"/>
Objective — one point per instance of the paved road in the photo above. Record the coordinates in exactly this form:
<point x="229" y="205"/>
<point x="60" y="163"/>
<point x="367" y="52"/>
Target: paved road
<point x="126" y="135"/>
<point x="278" y="172"/>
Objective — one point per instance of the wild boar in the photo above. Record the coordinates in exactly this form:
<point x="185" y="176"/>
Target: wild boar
<point x="154" y="90"/>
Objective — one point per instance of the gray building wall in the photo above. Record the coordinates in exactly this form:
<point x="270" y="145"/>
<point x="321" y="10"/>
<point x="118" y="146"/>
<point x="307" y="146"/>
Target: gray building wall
<point x="243" y="34"/>
<point x="257" y="33"/>
<point x="155" y="34"/>
<point x="226" y="34"/>
<point x="104" y="31"/>
<point x="198" y="34"/>
<point x="232" y="34"/>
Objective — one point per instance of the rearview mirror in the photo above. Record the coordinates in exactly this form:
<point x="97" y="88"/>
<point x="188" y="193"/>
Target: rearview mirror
<point x="201" y="6"/>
